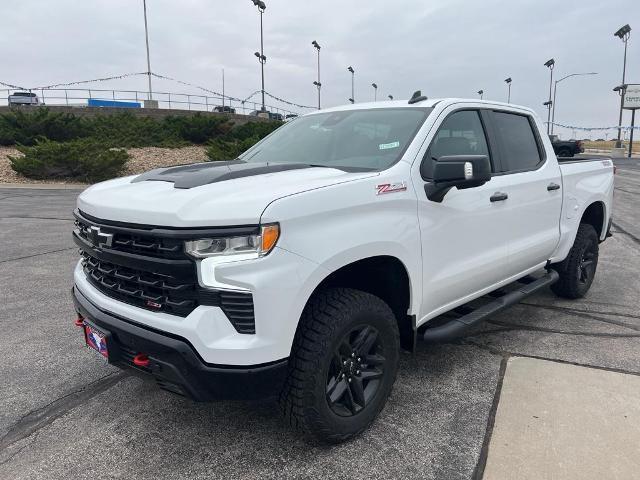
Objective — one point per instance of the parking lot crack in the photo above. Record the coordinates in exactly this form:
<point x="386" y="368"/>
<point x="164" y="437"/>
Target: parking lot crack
<point x="37" y="254"/>
<point x="507" y="354"/>
<point x="625" y="232"/>
<point x="511" y="326"/>
<point x="478" y="471"/>
<point x="36" y="419"/>
<point x="588" y="314"/>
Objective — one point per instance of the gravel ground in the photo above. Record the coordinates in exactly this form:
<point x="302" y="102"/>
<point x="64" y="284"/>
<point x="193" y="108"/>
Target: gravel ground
<point x="142" y="159"/>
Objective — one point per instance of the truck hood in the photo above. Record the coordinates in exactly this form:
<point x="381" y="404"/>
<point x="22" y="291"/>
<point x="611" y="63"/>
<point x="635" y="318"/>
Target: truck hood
<point x="209" y="194"/>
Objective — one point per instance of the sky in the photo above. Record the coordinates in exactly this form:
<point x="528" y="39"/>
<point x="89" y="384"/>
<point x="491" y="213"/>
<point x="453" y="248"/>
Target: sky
<point x="445" y="48"/>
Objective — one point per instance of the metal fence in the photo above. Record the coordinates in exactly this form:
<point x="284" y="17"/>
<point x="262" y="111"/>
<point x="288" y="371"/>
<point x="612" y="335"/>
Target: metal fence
<point x="79" y="97"/>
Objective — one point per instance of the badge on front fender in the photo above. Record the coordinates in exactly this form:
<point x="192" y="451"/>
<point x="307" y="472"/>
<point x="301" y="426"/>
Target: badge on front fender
<point x="391" y="188"/>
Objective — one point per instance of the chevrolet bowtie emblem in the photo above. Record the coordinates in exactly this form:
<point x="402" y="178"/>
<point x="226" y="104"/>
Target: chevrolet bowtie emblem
<point x="98" y="238"/>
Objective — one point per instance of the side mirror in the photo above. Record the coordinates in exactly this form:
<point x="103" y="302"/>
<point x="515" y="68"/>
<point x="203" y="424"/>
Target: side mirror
<point x="461" y="171"/>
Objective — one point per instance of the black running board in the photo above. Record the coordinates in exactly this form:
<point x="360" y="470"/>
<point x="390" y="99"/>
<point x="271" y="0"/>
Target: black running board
<point x="458" y="326"/>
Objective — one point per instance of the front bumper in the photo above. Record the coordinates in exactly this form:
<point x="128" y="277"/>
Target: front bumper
<point x="175" y="364"/>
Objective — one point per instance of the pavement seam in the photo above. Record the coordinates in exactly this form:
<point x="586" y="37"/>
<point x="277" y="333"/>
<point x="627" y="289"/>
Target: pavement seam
<point x="625" y="232"/>
<point x="497" y="351"/>
<point x="39" y="418"/>
<point x="37" y="254"/>
<point x="580" y="313"/>
<point x="40" y="218"/>
<point x="573" y="310"/>
<point x="627" y="191"/>
<point x="478" y="471"/>
<point x="514" y="326"/>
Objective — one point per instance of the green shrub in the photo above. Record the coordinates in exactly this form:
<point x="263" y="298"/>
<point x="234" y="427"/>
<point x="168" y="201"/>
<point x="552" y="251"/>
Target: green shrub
<point x="18" y="127"/>
<point x="128" y="130"/>
<point x="84" y="160"/>
<point x="254" y="129"/>
<point x="125" y="129"/>
<point x="197" y="128"/>
<point x="239" y="139"/>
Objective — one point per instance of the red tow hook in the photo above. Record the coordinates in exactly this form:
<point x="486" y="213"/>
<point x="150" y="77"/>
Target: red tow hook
<point x="79" y="321"/>
<point x="141" y="360"/>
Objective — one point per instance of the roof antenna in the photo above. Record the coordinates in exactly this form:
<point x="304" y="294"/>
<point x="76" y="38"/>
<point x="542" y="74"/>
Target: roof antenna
<point x="417" y="97"/>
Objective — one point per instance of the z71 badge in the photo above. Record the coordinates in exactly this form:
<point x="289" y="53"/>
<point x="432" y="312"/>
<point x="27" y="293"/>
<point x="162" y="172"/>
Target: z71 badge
<point x="391" y="188"/>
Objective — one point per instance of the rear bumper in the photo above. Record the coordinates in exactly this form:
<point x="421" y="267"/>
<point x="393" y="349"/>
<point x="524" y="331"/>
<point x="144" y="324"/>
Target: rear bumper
<point x="174" y="363"/>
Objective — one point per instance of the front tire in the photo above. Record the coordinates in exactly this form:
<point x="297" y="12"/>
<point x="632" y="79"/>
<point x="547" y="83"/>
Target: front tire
<point x="579" y="268"/>
<point x="343" y="364"/>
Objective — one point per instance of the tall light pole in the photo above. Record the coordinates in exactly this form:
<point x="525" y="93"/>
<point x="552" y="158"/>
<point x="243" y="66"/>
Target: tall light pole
<point x="481" y="93"/>
<point x="549" y="64"/>
<point x="375" y="92"/>
<point x="353" y="96"/>
<point x="508" y="82"/>
<point x="261" y="58"/>
<point x="555" y="88"/>
<point x="146" y="36"/>
<point x="623" y="34"/>
<point x="317" y="83"/>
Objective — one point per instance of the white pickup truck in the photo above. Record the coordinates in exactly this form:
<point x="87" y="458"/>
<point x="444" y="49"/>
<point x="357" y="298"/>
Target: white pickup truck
<point x="302" y="267"/>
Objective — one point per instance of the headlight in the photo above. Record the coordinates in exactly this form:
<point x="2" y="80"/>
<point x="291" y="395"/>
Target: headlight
<point x="249" y="246"/>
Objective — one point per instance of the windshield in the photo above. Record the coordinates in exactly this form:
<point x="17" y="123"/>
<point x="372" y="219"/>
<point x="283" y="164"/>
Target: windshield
<point x="353" y="140"/>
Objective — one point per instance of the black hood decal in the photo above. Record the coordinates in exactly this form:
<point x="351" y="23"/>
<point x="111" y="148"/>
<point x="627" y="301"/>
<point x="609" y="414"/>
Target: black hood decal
<point x="198" y="174"/>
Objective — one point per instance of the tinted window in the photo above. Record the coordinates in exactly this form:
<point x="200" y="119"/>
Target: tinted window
<point x="518" y="140"/>
<point x="460" y="134"/>
<point x="355" y="139"/>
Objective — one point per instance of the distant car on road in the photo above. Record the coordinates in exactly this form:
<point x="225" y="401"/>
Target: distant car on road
<point x="267" y="114"/>
<point x="224" y="109"/>
<point x="290" y="116"/>
<point x="566" y="148"/>
<point x="23" y="98"/>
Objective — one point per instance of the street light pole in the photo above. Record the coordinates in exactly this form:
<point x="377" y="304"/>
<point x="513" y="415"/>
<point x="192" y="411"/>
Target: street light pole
<point x="353" y="96"/>
<point x="375" y="92"/>
<point x="261" y="8"/>
<point x="317" y="83"/>
<point x="623" y="34"/>
<point x="481" y="93"/>
<point x="555" y="88"/>
<point x="508" y="82"/>
<point x="146" y="36"/>
<point x="549" y="64"/>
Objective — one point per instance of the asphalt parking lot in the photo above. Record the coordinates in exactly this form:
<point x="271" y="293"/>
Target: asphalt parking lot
<point x="64" y="413"/>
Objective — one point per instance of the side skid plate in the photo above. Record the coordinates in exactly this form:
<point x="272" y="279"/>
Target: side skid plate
<point x="456" y="327"/>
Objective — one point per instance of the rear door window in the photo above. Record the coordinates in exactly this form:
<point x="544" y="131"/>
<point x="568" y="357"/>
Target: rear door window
<point x="519" y="141"/>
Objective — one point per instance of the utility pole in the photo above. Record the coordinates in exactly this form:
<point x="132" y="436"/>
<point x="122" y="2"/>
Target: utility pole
<point x="317" y="82"/>
<point x="508" y="82"/>
<point x="623" y="34"/>
<point x="261" y="8"/>
<point x="549" y="64"/>
<point x="146" y="36"/>
<point x="353" y="96"/>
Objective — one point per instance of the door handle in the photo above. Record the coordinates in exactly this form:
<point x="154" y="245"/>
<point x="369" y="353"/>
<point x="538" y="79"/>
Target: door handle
<point x="553" y="186"/>
<point x="498" y="197"/>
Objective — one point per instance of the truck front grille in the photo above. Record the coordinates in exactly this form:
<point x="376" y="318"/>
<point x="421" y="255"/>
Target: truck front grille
<point x="147" y="267"/>
<point x="143" y="289"/>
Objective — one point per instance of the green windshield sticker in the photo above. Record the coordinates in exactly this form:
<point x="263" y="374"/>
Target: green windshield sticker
<point x="385" y="146"/>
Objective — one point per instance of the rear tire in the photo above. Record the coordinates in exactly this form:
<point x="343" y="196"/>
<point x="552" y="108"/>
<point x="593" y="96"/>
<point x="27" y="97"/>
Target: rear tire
<point x="579" y="268"/>
<point x="343" y="364"/>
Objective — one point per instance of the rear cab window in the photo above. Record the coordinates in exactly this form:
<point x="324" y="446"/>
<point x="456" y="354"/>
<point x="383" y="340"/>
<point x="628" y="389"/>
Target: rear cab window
<point x="520" y="145"/>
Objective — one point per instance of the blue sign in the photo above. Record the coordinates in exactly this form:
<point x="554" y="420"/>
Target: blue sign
<point x="94" y="102"/>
